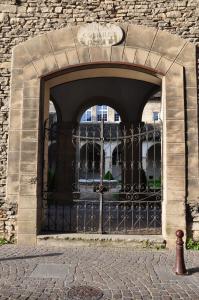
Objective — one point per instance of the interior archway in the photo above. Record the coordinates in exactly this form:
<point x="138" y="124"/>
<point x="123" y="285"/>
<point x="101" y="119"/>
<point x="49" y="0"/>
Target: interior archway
<point x="84" y="148"/>
<point x="104" y="85"/>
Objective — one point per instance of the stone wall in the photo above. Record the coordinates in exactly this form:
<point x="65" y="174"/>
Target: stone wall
<point x="8" y="222"/>
<point x="22" y="19"/>
<point x="152" y="106"/>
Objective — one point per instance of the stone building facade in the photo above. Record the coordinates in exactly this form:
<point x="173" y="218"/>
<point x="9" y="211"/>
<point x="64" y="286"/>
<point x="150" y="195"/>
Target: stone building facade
<point x="94" y="115"/>
<point x="22" y="20"/>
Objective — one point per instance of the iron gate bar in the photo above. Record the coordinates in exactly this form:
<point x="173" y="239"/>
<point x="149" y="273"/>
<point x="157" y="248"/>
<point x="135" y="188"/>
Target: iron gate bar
<point x="130" y="218"/>
<point x="101" y="175"/>
<point x="108" y="205"/>
<point x="132" y="163"/>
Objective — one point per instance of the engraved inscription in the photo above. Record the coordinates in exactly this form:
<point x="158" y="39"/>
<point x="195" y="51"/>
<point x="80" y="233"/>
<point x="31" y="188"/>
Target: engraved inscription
<point x="95" y="34"/>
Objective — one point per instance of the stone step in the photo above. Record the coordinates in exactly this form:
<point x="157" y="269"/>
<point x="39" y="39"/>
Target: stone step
<point x="78" y="239"/>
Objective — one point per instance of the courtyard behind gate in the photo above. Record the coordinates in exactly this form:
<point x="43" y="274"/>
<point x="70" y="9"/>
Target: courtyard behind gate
<point x="130" y="203"/>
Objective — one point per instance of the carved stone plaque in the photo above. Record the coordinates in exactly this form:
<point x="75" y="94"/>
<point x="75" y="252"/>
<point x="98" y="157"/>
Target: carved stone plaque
<point x="95" y="34"/>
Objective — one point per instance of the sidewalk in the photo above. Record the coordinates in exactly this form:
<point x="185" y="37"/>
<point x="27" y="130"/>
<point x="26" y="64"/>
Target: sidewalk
<point x="94" y="273"/>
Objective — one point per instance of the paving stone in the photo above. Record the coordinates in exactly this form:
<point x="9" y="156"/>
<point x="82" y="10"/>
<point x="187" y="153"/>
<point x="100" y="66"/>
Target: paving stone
<point x="122" y="274"/>
<point x="50" y="271"/>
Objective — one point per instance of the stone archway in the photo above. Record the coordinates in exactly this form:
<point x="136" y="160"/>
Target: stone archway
<point x="148" y="54"/>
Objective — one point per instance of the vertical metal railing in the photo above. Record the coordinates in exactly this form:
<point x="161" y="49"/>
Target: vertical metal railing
<point x="128" y="205"/>
<point x="101" y="176"/>
<point x="132" y="157"/>
<point x="124" y="159"/>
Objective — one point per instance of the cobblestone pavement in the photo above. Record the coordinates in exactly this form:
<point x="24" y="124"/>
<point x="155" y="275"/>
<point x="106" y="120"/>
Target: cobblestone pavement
<point x="119" y="273"/>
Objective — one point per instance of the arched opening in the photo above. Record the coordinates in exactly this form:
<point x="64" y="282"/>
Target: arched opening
<point x="156" y="60"/>
<point x="153" y="165"/>
<point x="51" y="150"/>
<point x="93" y="121"/>
<point x="152" y="117"/>
<point x="102" y="150"/>
<point x="117" y="162"/>
<point x="90" y="161"/>
<point x="152" y="110"/>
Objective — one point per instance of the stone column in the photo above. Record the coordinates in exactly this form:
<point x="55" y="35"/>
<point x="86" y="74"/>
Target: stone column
<point x="108" y="166"/>
<point x="64" y="176"/>
<point x="107" y="157"/>
<point x="94" y="114"/>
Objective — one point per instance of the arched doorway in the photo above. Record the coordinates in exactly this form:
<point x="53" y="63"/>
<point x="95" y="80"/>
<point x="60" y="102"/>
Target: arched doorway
<point x="149" y="58"/>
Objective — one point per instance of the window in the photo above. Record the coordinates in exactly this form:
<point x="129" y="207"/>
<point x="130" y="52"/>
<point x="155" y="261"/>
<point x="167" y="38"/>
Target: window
<point x="87" y="117"/>
<point x="117" y="117"/>
<point x="102" y="112"/>
<point x="155" y="115"/>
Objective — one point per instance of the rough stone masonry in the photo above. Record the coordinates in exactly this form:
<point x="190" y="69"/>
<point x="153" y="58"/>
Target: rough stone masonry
<point x="22" y="19"/>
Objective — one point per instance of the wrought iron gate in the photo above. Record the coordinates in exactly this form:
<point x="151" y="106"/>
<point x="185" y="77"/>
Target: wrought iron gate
<point x="117" y="186"/>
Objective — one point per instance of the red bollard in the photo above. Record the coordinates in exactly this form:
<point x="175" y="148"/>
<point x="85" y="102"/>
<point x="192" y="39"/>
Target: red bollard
<point x="180" y="268"/>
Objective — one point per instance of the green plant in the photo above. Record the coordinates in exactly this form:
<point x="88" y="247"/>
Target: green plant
<point x="108" y="176"/>
<point x="154" y="184"/>
<point x="146" y="244"/>
<point x="160" y="247"/>
<point x="192" y="245"/>
<point x="3" y="242"/>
